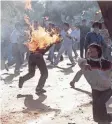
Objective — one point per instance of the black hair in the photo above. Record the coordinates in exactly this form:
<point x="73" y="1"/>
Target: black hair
<point x="53" y="25"/>
<point x="65" y="23"/>
<point x="97" y="24"/>
<point x="98" y="47"/>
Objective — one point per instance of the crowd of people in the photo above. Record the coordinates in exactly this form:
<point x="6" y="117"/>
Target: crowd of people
<point x="91" y="39"/>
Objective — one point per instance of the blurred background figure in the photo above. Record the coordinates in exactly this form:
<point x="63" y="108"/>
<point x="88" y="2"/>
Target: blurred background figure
<point x="84" y="29"/>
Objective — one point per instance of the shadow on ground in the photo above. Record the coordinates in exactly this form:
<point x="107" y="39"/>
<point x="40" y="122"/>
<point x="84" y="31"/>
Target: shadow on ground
<point x="37" y="105"/>
<point x="66" y="71"/>
<point x="9" y="78"/>
<point x="83" y="91"/>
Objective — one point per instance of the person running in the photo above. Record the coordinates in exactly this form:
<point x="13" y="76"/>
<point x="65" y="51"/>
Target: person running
<point x="36" y="59"/>
<point x="15" y="39"/>
<point x="66" y="45"/>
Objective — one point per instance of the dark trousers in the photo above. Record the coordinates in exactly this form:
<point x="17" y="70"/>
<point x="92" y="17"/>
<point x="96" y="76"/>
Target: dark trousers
<point x="99" y="105"/>
<point x="36" y="59"/>
<point x="82" y="47"/>
<point x="18" y="56"/>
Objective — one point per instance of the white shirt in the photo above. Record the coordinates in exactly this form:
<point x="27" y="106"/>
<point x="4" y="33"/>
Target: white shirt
<point x="76" y="33"/>
<point x="66" y="40"/>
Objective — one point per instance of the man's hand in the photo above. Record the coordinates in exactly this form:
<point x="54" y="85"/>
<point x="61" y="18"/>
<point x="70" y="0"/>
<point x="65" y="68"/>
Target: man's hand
<point x="87" y="67"/>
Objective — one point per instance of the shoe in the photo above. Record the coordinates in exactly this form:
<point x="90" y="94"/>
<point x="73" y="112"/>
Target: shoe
<point x="6" y="67"/>
<point x="110" y="117"/>
<point x="61" y="58"/>
<point x="20" y="82"/>
<point x="40" y="91"/>
<point x="16" y="72"/>
<point x="72" y="64"/>
<point x="72" y="84"/>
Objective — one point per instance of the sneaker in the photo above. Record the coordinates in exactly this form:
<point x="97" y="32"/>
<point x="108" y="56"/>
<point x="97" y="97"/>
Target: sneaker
<point x="40" y="91"/>
<point x="73" y="64"/>
<point x="20" y="82"/>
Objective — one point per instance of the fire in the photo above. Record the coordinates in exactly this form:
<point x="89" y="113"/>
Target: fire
<point x="41" y="39"/>
<point x="26" y="18"/>
<point x="28" y="5"/>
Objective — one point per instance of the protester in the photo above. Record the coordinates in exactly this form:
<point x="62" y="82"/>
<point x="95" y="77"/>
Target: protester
<point x="84" y="29"/>
<point x="100" y="82"/>
<point x="105" y="35"/>
<point x="95" y="37"/>
<point x="36" y="59"/>
<point x="14" y="38"/>
<point x="76" y="34"/>
<point x="66" y="45"/>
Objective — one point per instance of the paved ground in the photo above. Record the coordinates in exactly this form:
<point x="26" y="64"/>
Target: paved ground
<point x="60" y="105"/>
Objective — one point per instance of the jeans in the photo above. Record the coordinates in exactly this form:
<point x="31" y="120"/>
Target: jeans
<point x="74" y="47"/>
<point x="36" y="59"/>
<point x="18" y="56"/>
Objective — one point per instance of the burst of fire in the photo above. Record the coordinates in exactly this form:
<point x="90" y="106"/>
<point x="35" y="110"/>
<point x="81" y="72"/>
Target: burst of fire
<point x="28" y="5"/>
<point x="41" y="39"/>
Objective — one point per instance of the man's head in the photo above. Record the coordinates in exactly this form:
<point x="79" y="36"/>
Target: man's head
<point x="94" y="51"/>
<point x="66" y="26"/>
<point x="96" y="27"/>
<point x="84" y="22"/>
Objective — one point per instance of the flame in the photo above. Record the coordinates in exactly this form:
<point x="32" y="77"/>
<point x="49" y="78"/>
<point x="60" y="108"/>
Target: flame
<point x="28" y="5"/>
<point x="26" y="18"/>
<point x="41" y="39"/>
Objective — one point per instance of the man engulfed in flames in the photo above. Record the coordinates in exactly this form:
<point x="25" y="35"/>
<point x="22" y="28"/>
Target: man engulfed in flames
<point x="41" y="41"/>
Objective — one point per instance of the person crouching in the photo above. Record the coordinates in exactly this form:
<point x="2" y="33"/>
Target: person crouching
<point x="97" y="72"/>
